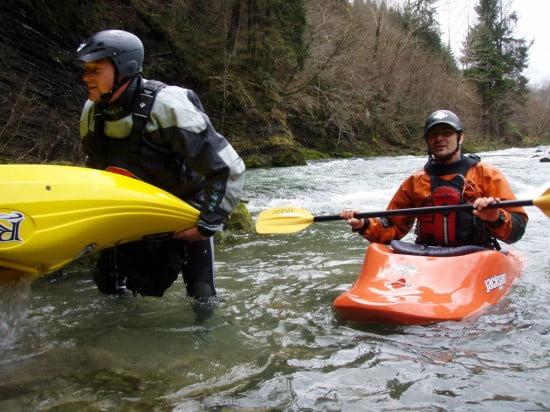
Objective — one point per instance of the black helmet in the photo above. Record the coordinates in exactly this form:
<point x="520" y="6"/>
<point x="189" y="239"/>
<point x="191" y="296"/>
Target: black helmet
<point x="123" y="48"/>
<point x="442" y="117"/>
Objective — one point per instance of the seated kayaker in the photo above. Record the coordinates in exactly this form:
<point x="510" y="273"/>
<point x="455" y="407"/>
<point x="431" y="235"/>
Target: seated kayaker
<point x="448" y="178"/>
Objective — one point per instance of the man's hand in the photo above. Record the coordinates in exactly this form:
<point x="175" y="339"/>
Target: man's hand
<point x="347" y="215"/>
<point x="191" y="235"/>
<point x="487" y="215"/>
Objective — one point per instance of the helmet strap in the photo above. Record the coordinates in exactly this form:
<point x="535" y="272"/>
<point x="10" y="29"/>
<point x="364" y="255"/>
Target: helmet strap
<point x="106" y="97"/>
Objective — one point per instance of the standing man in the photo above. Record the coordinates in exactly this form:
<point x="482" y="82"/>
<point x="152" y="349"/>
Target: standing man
<point x="159" y="134"/>
<point x="448" y="178"/>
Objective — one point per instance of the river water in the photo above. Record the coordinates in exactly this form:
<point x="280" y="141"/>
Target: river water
<point x="275" y="342"/>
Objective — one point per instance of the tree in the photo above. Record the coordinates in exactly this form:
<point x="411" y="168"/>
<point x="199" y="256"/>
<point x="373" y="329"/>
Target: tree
<point x="534" y="118"/>
<point x="419" y="18"/>
<point x="266" y="36"/>
<point x="494" y="62"/>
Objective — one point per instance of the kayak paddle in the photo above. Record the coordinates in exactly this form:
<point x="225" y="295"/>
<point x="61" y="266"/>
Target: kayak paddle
<point x="288" y="219"/>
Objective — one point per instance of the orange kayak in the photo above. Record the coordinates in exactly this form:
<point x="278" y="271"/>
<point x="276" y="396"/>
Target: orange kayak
<point x="411" y="287"/>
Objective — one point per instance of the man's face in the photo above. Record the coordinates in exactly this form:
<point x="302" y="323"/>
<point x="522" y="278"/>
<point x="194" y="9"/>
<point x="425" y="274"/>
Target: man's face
<point x="99" y="77"/>
<point x="442" y="141"/>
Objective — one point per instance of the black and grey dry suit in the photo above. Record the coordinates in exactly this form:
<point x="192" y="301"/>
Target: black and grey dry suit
<point x="180" y="152"/>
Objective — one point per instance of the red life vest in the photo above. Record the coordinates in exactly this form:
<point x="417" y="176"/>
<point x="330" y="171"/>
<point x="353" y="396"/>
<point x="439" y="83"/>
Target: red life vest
<point x="451" y="228"/>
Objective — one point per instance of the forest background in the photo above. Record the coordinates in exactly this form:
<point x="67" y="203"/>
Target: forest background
<point x="284" y="81"/>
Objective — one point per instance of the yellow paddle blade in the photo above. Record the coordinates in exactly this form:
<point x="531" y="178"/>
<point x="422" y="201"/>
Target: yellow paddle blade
<point x="283" y="220"/>
<point x="543" y="202"/>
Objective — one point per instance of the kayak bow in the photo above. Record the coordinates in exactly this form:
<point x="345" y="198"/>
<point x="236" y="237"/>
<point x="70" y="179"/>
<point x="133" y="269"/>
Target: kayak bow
<point x="52" y="215"/>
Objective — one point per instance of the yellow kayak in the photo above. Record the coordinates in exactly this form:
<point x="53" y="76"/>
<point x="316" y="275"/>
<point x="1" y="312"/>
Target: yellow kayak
<point x="52" y="215"/>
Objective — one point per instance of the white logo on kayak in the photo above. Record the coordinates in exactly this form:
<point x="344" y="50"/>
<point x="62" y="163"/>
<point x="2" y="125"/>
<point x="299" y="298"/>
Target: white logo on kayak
<point x="10" y="224"/>
<point x="495" y="282"/>
<point x="411" y="270"/>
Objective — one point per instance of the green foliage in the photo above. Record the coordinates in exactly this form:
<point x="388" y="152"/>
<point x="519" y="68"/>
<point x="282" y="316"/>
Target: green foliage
<point x="238" y="223"/>
<point x="274" y="37"/>
<point x="289" y="158"/>
<point x="240" y="220"/>
<point x="342" y="155"/>
<point x="253" y="162"/>
<point x="310" y="154"/>
<point x="512" y="133"/>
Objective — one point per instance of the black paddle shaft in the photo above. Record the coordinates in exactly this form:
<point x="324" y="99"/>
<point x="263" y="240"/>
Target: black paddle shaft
<point x="430" y="209"/>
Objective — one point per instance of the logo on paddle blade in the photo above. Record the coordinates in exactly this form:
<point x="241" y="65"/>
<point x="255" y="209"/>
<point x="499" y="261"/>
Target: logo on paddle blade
<point x="10" y="226"/>
<point x="287" y="211"/>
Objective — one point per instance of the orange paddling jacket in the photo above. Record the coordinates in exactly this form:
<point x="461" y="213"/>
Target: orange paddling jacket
<point x="481" y="180"/>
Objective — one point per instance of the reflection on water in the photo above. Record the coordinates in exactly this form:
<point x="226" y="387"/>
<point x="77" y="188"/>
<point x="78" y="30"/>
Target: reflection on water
<point x="275" y="342"/>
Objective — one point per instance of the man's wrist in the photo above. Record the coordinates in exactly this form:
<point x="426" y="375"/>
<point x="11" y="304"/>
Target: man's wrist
<point x="499" y="222"/>
<point x="362" y="229"/>
<point x="205" y="231"/>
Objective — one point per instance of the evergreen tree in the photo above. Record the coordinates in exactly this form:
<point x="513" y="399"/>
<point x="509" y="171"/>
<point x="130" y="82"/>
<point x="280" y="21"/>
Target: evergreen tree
<point x="420" y="16"/>
<point x="494" y="61"/>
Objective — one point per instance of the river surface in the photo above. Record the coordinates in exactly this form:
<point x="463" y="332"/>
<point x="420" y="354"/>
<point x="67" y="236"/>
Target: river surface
<point x="275" y="342"/>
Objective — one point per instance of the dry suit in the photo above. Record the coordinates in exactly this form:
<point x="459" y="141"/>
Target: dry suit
<point x="177" y="149"/>
<point x="479" y="179"/>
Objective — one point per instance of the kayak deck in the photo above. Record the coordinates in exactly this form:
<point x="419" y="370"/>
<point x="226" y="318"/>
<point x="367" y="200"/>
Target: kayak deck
<point x="396" y="288"/>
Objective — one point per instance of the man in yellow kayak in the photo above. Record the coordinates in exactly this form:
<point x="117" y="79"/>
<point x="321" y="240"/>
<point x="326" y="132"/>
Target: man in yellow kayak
<point x="160" y="134"/>
<point x="448" y="178"/>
